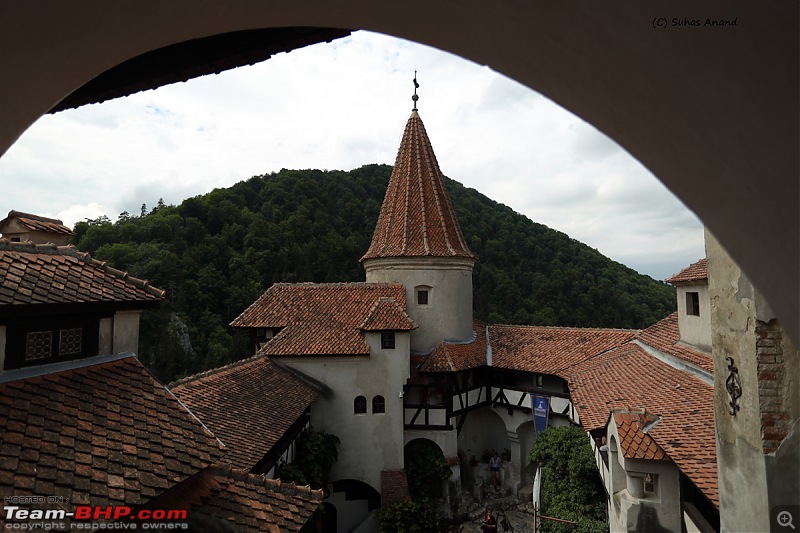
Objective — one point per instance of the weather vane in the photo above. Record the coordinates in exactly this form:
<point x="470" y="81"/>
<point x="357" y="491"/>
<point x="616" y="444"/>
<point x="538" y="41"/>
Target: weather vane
<point x="416" y="86"/>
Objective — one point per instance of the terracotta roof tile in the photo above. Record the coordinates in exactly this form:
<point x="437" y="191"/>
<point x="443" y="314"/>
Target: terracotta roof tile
<point x="550" y="350"/>
<point x="223" y="496"/>
<point x="45" y="273"/>
<point x="454" y="357"/>
<point x="255" y="390"/>
<point x="665" y="335"/>
<point x="627" y="377"/>
<point x="105" y="433"/>
<point x="695" y="272"/>
<point x="417" y="218"/>
<point x="37" y="223"/>
<point x="635" y="443"/>
<point x="318" y="319"/>
<point x="387" y="314"/>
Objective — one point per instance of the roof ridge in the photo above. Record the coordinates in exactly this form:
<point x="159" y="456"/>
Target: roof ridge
<point x="40" y="218"/>
<point x="567" y="328"/>
<point x="334" y="284"/>
<point x="212" y="371"/>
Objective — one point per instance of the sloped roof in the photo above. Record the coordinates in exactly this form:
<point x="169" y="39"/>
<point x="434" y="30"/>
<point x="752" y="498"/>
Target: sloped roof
<point x="628" y="378"/>
<point x="665" y="335"/>
<point x="97" y="431"/>
<point x="223" y="496"/>
<point x="37" y="223"/>
<point x="550" y="350"/>
<point x="387" y="314"/>
<point x="49" y="274"/>
<point x="318" y="318"/>
<point x="417" y="218"/>
<point x="454" y="357"/>
<point x="256" y="391"/>
<point x="695" y="272"/>
<point x="635" y="443"/>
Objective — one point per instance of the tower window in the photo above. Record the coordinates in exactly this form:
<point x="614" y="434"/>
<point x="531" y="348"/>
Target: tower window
<point x="378" y="405"/>
<point x="360" y="405"/>
<point x="387" y="340"/>
<point x="422" y="297"/>
<point x="650" y="481"/>
<point x="693" y="303"/>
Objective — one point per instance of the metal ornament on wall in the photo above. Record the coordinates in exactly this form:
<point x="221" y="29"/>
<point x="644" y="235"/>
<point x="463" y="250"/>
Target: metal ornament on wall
<point x="733" y="385"/>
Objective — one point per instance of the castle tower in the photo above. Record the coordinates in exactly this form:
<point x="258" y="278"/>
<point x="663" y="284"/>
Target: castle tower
<point x="418" y="242"/>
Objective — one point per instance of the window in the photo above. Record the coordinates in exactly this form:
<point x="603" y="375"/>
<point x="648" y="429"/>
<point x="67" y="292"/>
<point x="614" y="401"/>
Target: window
<point x="650" y="481"/>
<point x="360" y="405"/>
<point x="378" y="405"/>
<point x="693" y="303"/>
<point x="70" y="341"/>
<point x="387" y="340"/>
<point x="38" y="345"/>
<point x="422" y="297"/>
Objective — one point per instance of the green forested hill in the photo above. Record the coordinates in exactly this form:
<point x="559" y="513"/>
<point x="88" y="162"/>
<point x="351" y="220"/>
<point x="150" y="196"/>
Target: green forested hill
<point x="216" y="253"/>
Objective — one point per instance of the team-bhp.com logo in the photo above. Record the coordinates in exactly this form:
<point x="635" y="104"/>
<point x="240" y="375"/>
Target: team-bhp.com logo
<point x="93" y="517"/>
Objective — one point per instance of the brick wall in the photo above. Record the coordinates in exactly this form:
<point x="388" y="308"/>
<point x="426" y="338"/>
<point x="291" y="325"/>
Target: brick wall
<point x="773" y="398"/>
<point x="394" y="487"/>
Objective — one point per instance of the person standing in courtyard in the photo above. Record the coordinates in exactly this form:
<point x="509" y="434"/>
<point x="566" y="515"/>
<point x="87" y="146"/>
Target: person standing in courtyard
<point x="494" y="469"/>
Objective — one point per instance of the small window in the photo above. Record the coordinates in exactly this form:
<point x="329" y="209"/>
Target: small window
<point x="14" y="239"/>
<point x="38" y="345"/>
<point x="539" y="380"/>
<point x="387" y="340"/>
<point x="693" y="303"/>
<point x="378" y="405"/>
<point x="70" y="341"/>
<point x="650" y="481"/>
<point x="422" y="297"/>
<point x="360" y="405"/>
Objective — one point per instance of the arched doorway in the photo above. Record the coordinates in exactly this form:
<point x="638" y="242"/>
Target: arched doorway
<point x="352" y="501"/>
<point x="483" y="433"/>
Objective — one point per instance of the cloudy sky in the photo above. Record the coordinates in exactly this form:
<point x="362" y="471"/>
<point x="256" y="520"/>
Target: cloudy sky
<point x="339" y="106"/>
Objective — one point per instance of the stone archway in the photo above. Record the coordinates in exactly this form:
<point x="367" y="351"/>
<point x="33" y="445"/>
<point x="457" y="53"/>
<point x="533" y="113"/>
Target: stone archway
<point x="711" y="112"/>
<point x="353" y="500"/>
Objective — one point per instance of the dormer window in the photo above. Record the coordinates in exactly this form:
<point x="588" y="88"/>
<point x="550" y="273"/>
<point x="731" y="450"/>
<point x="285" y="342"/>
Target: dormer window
<point x="693" y="303"/>
<point x="387" y="340"/>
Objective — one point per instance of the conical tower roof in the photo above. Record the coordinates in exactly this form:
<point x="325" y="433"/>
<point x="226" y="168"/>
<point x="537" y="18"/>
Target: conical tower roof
<point x="417" y="218"/>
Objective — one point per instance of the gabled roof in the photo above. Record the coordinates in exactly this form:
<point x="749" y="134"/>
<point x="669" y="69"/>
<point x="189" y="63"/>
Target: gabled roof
<point x="665" y="335"/>
<point x="49" y="274"/>
<point x="635" y="442"/>
<point x="97" y="431"/>
<point x="249" y="405"/>
<point x="695" y="272"/>
<point x="550" y="350"/>
<point x="222" y="497"/>
<point x="417" y="218"/>
<point x="387" y="315"/>
<point x="318" y="318"/>
<point x="628" y="378"/>
<point x="454" y="357"/>
<point x="36" y="223"/>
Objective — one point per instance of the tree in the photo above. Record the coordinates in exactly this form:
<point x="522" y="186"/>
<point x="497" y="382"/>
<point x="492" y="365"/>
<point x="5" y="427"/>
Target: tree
<point x="570" y="480"/>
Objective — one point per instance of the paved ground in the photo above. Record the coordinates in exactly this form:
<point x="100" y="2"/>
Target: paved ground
<point x="520" y="523"/>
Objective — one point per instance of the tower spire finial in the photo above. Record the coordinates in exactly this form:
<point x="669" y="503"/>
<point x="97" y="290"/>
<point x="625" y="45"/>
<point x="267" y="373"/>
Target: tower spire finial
<point x="416" y="86"/>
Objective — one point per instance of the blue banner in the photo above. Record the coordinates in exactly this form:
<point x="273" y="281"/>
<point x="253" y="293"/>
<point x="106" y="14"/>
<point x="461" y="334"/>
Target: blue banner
<point x="540" y="405"/>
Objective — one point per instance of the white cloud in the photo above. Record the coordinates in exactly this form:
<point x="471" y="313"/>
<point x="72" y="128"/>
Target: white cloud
<point x="339" y="106"/>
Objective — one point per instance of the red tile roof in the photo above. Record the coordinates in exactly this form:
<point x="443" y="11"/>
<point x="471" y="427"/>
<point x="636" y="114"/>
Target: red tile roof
<point x="695" y="272"/>
<point x="48" y="274"/>
<point x="417" y="218"/>
<point x="222" y="497"/>
<point x="248" y="405"/>
<point x="635" y="443"/>
<point x="453" y="357"/>
<point x="318" y="319"/>
<point x="387" y="314"/>
<point x="99" y="431"/>
<point x="627" y="377"/>
<point x="664" y="336"/>
<point x="550" y="350"/>
<point x="37" y="223"/>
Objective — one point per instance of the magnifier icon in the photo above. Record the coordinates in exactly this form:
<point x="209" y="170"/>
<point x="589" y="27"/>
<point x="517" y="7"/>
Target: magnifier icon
<point x="785" y="519"/>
